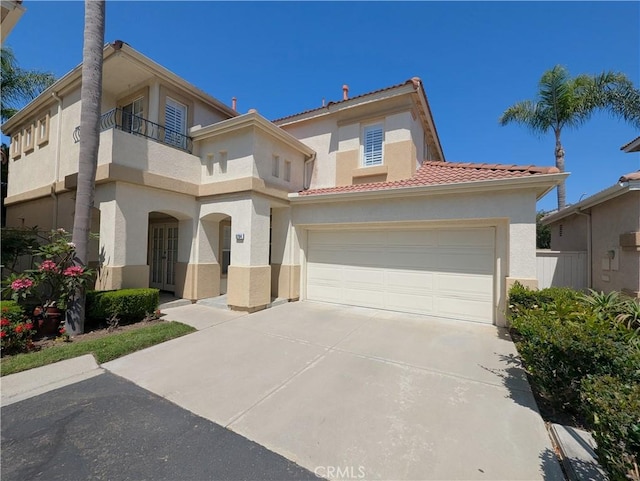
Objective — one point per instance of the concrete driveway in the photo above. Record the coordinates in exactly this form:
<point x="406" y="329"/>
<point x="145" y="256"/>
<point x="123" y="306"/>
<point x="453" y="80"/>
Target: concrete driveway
<point x="353" y="393"/>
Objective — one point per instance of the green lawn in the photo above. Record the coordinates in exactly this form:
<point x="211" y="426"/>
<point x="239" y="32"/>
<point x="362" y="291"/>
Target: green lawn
<point x="103" y="349"/>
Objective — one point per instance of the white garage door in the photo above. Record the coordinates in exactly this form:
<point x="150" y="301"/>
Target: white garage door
<point x="444" y="273"/>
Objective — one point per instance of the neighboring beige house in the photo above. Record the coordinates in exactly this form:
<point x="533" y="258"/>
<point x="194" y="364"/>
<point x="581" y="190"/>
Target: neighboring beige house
<point x="607" y="227"/>
<point x="10" y="13"/>
<point x="350" y="203"/>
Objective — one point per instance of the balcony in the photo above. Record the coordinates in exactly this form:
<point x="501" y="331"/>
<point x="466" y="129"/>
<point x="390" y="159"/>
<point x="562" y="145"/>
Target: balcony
<point x="120" y="120"/>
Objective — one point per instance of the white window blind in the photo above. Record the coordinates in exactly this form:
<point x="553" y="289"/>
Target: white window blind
<point x="372" y="145"/>
<point x="175" y="122"/>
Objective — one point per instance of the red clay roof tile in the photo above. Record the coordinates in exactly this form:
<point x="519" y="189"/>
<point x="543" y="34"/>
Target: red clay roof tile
<point x="438" y="173"/>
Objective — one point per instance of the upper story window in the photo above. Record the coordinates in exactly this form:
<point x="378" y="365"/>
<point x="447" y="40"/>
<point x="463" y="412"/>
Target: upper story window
<point x="372" y="145"/>
<point x="275" y="166"/>
<point x="175" y="123"/>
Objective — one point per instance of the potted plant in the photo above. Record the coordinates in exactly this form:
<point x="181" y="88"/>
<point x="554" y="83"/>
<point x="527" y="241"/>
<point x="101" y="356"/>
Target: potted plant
<point x="52" y="284"/>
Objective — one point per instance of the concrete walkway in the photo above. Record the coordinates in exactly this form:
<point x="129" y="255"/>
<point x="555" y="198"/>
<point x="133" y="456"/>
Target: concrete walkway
<point x="350" y="392"/>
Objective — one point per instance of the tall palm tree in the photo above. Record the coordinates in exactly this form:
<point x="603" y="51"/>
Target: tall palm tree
<point x="91" y="99"/>
<point x="18" y="85"/>
<point x="563" y="101"/>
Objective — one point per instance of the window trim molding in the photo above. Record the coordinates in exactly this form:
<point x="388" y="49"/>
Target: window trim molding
<point x="16" y="145"/>
<point x="44" y="138"/>
<point x="28" y="145"/>
<point x="286" y="175"/>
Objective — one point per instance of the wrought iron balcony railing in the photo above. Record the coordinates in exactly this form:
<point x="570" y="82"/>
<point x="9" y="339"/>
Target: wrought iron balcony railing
<point x="133" y="124"/>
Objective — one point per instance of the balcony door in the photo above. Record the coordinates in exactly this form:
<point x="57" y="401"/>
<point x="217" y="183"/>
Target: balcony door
<point x="132" y="115"/>
<point x="163" y="248"/>
<point x="175" y="123"/>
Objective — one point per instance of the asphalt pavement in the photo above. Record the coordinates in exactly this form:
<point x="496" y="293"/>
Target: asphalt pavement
<point x="107" y="428"/>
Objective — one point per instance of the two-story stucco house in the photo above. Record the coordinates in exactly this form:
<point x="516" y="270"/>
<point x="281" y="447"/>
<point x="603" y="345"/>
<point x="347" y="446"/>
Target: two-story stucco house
<point x="349" y="203"/>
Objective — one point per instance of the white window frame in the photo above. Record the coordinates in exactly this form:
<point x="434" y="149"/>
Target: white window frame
<point x="275" y="166"/>
<point x="370" y="157"/>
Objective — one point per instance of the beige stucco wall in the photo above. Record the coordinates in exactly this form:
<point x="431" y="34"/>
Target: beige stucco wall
<point x="574" y="234"/>
<point x="265" y="148"/>
<point x="609" y="220"/>
<point x="238" y="148"/>
<point x="322" y="136"/>
<point x="336" y="139"/>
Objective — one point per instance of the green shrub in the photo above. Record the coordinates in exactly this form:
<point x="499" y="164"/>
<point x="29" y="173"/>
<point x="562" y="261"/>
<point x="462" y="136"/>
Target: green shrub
<point x="522" y="298"/>
<point x="129" y="305"/>
<point x="613" y="407"/>
<point x="10" y="306"/>
<point x="559" y="354"/>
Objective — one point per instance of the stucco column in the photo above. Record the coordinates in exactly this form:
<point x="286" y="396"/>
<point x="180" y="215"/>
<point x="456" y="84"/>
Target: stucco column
<point x="123" y="247"/>
<point x="197" y="269"/>
<point x="154" y="102"/>
<point x="249" y="281"/>
<point x="285" y="253"/>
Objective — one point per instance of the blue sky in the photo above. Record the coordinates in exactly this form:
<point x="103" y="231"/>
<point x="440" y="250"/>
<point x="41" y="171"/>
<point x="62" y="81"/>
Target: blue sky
<point x="475" y="59"/>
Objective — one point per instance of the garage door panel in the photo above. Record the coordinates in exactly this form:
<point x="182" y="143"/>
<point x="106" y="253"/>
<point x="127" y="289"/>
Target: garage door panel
<point x="418" y="238"/>
<point x="411" y="303"/>
<point x="364" y="297"/>
<point x="475" y="261"/>
<point x="466" y="237"/>
<point x="409" y="259"/>
<point x="465" y="309"/>
<point x="464" y="285"/>
<point x="446" y="273"/>
<point x="399" y="281"/>
<point x="364" y="278"/>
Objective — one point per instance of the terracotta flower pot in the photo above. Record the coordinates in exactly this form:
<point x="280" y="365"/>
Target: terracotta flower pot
<point x="48" y="322"/>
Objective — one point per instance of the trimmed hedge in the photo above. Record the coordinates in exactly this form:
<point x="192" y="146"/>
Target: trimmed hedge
<point x="614" y="410"/>
<point x="129" y="305"/>
<point x="586" y="363"/>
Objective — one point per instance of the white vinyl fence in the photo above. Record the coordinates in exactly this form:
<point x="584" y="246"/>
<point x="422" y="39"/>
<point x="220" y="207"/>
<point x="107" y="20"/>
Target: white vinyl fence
<point x="561" y="269"/>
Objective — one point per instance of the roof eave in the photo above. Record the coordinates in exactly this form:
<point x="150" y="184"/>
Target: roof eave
<point x="333" y="107"/>
<point x="542" y="183"/>
<point x="603" y="196"/>
<point x="110" y="49"/>
<point x="633" y="146"/>
<point x="251" y="119"/>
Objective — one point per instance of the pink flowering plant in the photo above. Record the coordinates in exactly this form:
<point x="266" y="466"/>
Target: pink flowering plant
<point x="55" y="279"/>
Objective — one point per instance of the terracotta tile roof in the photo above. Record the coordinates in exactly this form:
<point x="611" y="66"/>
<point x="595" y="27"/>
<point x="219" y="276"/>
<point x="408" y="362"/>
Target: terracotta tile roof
<point x="438" y="173"/>
<point x="410" y="81"/>
<point x="632" y="176"/>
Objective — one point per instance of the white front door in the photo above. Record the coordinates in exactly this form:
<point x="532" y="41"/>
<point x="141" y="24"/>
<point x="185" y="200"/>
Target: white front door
<point x="163" y="248"/>
<point x="441" y="272"/>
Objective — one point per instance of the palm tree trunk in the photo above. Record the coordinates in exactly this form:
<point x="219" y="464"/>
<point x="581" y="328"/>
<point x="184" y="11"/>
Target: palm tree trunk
<point x="91" y="99"/>
<point x="559" y="152"/>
